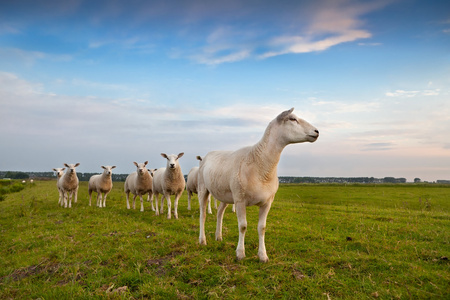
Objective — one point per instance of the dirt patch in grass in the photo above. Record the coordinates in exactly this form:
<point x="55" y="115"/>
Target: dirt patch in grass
<point x="41" y="268"/>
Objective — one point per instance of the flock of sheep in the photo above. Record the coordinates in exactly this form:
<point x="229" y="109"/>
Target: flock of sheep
<point x="243" y="178"/>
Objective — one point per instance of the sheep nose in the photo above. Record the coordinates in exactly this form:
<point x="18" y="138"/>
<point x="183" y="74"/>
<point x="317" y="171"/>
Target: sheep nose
<point x="172" y="166"/>
<point x="316" y="131"/>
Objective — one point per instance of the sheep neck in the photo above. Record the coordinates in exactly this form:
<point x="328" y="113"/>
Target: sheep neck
<point x="266" y="153"/>
<point x="173" y="173"/>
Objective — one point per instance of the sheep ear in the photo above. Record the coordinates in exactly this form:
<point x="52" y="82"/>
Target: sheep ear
<point x="199" y="157"/>
<point x="113" y="167"/>
<point x="180" y="154"/>
<point x="146" y="162"/>
<point x="77" y="164"/>
<point x="63" y="169"/>
<point x="135" y="163"/>
<point x="281" y="117"/>
<point x="67" y="165"/>
<point x="164" y="155"/>
<point x="55" y="170"/>
<point x="103" y="167"/>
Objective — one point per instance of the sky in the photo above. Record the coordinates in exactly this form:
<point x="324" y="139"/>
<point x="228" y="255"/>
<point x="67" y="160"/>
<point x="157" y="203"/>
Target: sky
<point x="113" y="82"/>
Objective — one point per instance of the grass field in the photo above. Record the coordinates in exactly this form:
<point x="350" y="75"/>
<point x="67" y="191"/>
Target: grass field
<point x="323" y="242"/>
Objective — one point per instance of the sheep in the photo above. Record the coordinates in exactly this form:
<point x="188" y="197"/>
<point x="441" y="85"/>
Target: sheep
<point x="169" y="181"/>
<point x="101" y="183"/>
<point x="248" y="177"/>
<point x="59" y="173"/>
<point x="191" y="186"/>
<point x="150" y="194"/>
<point x="139" y="183"/>
<point x="68" y="183"/>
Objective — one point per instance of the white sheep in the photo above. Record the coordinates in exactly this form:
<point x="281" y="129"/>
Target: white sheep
<point x="248" y="176"/>
<point x="139" y="183"/>
<point x="101" y="183"/>
<point x="68" y="183"/>
<point x="169" y="181"/>
<point x="150" y="197"/>
<point x="59" y="173"/>
<point x="192" y="186"/>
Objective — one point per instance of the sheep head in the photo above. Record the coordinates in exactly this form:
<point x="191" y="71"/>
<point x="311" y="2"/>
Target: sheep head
<point x="71" y="167"/>
<point x="59" y="171"/>
<point x="108" y="170"/>
<point x="294" y="129"/>
<point x="141" y="169"/>
<point x="172" y="160"/>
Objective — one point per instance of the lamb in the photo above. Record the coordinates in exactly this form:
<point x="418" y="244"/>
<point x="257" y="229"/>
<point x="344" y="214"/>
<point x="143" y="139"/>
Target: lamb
<point x="192" y="184"/>
<point x="101" y="184"/>
<point x="68" y="183"/>
<point x="169" y="181"/>
<point x="59" y="173"/>
<point x="248" y="177"/>
<point x="139" y="183"/>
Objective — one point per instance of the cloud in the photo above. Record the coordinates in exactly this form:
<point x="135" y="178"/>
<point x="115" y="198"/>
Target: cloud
<point x="378" y="146"/>
<point x="327" y="24"/>
<point x="411" y="94"/>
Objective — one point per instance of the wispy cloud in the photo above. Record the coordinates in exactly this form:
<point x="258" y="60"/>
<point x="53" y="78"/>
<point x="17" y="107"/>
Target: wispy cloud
<point x="411" y="94"/>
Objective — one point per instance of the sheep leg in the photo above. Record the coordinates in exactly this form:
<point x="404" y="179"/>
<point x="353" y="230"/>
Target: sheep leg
<point x="142" y="202"/>
<point x="162" y="204"/>
<point x="175" y="204"/>
<point x="233" y="208"/>
<point x="215" y="203"/>
<point x="61" y="196"/>
<point x="150" y="198"/>
<point x="156" y="204"/>
<point x="209" y="205"/>
<point x="70" y="199"/>
<point x="65" y="196"/>
<point x="99" y="199"/>
<point x="76" y="195"/>
<point x="128" y="196"/>
<point x="104" y="199"/>
<point x="169" y="205"/>
<point x="189" y="200"/>
<point x="220" y="212"/>
<point x="90" y="197"/>
<point x="202" y="198"/>
<point x="242" y="223"/>
<point x="263" y="211"/>
<point x="134" y="201"/>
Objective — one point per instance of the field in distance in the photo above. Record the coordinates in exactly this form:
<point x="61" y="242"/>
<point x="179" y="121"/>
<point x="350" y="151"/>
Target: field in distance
<point x="323" y="242"/>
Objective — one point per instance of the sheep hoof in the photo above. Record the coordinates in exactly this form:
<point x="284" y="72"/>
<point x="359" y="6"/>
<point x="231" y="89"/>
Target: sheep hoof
<point x="218" y="238"/>
<point x="240" y="255"/>
<point x="202" y="241"/>
<point x="264" y="258"/>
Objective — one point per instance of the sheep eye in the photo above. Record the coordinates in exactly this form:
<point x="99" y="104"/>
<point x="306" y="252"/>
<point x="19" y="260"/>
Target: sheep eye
<point x="293" y="119"/>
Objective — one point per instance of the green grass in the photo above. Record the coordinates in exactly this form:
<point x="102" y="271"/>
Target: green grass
<point x="323" y="241"/>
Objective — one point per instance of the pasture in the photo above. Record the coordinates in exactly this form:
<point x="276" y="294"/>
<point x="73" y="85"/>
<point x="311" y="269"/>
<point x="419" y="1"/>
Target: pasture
<point x="323" y="242"/>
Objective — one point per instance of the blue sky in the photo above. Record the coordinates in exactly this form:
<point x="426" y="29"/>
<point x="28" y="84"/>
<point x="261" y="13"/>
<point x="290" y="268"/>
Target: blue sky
<point x="112" y="82"/>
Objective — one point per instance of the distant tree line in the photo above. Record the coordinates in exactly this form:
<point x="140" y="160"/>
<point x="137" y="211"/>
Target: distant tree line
<point x="293" y="179"/>
<point x="282" y="179"/>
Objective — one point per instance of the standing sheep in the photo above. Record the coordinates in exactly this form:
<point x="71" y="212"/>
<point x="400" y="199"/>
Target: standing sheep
<point x="139" y="183"/>
<point x="59" y="173"/>
<point x="248" y="176"/>
<point x="68" y="183"/>
<point x="101" y="184"/>
<point x="192" y="186"/>
<point x="169" y="181"/>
